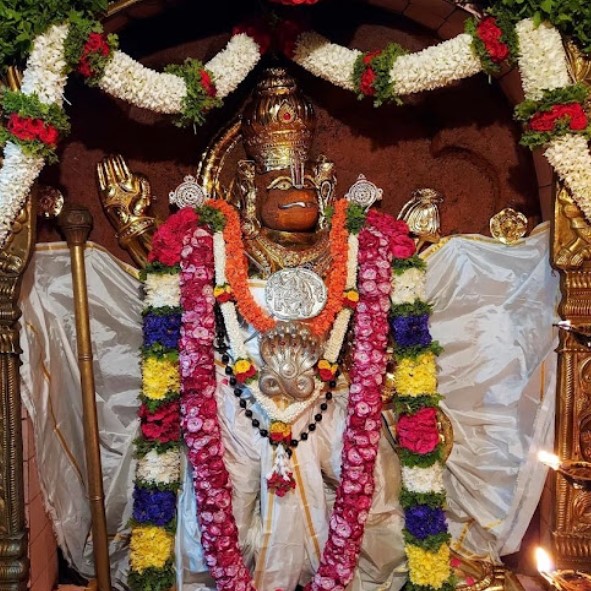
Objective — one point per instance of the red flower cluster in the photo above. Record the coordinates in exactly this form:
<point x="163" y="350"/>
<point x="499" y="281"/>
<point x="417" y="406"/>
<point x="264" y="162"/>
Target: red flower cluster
<point x="572" y="112"/>
<point x="168" y="239"/>
<point x="418" y="432"/>
<point x="401" y="245"/>
<point x="163" y="425"/>
<point x="96" y="44"/>
<point x="490" y="34"/>
<point x="368" y="78"/>
<point x="25" y="128"/>
<point x="280" y="485"/>
<point x="258" y="31"/>
<point x="207" y="83"/>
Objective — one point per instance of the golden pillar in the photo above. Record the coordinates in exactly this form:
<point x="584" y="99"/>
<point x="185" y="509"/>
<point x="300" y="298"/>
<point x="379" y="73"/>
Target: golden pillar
<point x="14" y="257"/>
<point x="571" y="525"/>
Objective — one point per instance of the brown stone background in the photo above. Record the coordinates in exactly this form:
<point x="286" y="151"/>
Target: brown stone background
<point x="459" y="140"/>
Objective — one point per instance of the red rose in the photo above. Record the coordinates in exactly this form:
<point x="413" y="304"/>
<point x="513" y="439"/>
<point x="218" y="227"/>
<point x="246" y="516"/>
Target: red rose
<point x="578" y="118"/>
<point x="542" y="122"/>
<point x="490" y="34"/>
<point x="84" y="68"/>
<point x="368" y="57"/>
<point x="168" y="239"/>
<point x="258" y="31"/>
<point x="49" y="135"/>
<point x="418" y="432"/>
<point x="20" y="127"/>
<point x="367" y="81"/>
<point x="162" y="425"/>
<point x="498" y="52"/>
<point x="96" y="43"/>
<point x="402" y="247"/>
<point x="207" y="83"/>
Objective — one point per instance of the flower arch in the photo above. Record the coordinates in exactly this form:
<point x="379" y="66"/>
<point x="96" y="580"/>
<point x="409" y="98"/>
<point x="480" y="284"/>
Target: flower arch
<point x="36" y="119"/>
<point x="552" y="112"/>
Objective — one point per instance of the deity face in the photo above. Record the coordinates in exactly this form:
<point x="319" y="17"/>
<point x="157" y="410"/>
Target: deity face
<point x="286" y="201"/>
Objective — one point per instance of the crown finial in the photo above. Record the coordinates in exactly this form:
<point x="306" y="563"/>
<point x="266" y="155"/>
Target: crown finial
<point x="278" y="123"/>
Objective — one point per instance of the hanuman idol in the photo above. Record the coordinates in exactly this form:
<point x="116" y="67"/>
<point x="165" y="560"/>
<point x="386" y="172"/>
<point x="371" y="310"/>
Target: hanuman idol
<point x="287" y="296"/>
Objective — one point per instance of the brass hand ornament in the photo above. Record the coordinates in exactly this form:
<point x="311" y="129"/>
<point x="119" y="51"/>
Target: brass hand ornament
<point x="125" y="197"/>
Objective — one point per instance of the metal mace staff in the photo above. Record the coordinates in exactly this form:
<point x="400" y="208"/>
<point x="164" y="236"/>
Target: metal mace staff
<point x="75" y="222"/>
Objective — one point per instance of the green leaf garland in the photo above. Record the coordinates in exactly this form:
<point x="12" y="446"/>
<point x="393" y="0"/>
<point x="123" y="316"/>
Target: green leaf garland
<point x="196" y="102"/>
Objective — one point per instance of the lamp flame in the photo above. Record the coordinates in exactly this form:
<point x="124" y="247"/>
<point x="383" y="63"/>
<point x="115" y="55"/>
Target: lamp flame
<point x="549" y="459"/>
<point x="543" y="561"/>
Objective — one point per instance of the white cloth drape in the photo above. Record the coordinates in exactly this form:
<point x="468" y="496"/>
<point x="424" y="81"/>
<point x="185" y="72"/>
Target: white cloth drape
<point x="494" y="306"/>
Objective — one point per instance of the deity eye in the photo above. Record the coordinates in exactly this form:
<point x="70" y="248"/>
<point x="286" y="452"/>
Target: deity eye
<point x="283" y="184"/>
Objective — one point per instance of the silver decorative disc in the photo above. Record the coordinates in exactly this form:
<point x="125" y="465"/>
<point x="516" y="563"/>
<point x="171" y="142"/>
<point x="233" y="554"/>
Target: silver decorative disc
<point x="188" y="194"/>
<point x="295" y="294"/>
<point x="364" y="192"/>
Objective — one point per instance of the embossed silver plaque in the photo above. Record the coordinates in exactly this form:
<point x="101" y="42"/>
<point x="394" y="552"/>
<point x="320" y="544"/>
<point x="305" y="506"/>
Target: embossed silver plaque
<point x="295" y="294"/>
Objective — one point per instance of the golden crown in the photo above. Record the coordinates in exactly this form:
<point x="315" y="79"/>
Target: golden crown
<point x="277" y="123"/>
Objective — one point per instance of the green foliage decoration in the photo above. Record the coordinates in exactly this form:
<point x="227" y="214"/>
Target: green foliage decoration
<point x="23" y="20"/>
<point x="197" y="102"/>
<point x="571" y="17"/>
<point x="381" y="63"/>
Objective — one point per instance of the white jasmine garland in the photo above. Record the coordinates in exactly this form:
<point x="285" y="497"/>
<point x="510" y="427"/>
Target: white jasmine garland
<point x="162" y="289"/>
<point x="155" y="468"/>
<point x="326" y="60"/>
<point x="127" y="79"/>
<point x="408" y="286"/>
<point x="231" y="65"/>
<point x="17" y="176"/>
<point x="542" y="59"/>
<point x="219" y="258"/>
<point x="45" y="73"/>
<point x="423" y="480"/>
<point x="435" y="66"/>
<point x="570" y="158"/>
<point x="334" y="344"/>
<point x="352" y="262"/>
<point x="289" y="414"/>
<point x="233" y="329"/>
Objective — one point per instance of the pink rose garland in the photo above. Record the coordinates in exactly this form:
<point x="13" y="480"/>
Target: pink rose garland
<point x="362" y="434"/>
<point x="378" y="243"/>
<point x="201" y="427"/>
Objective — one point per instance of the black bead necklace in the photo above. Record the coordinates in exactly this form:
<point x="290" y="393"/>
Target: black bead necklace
<point x="221" y="347"/>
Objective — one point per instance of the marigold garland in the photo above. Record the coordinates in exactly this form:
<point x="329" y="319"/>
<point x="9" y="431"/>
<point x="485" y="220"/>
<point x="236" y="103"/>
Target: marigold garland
<point x="237" y="270"/>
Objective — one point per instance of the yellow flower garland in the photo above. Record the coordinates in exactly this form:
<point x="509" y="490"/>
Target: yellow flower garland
<point x="151" y="547"/>
<point x="414" y="377"/>
<point x="429" y="568"/>
<point x="160" y="377"/>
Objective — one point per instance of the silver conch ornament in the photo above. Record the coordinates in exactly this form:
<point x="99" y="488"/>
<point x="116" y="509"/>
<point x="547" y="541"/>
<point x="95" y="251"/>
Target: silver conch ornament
<point x="188" y="194"/>
<point x="364" y="192"/>
<point x="290" y="352"/>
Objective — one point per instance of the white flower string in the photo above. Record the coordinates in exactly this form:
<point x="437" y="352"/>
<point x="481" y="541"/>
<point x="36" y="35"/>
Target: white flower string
<point x="435" y="66"/>
<point x="326" y="60"/>
<point x="332" y="346"/>
<point x="542" y="65"/>
<point x="542" y="60"/>
<point x="125" y="78"/>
